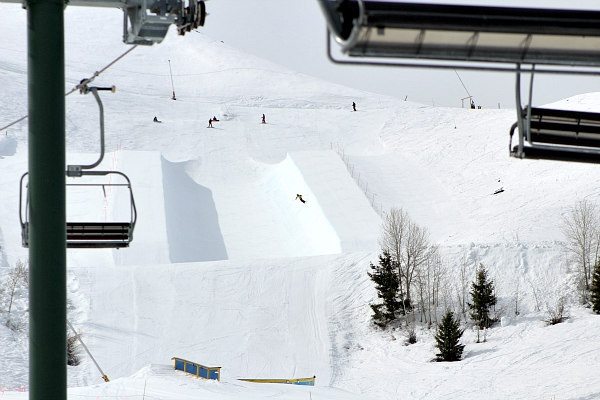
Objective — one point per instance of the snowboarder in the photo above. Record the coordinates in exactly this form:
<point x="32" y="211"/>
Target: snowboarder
<point x="353" y="106"/>
<point x="210" y="121"/>
<point x="264" y="120"/>
<point x="299" y="197"/>
<point x="156" y="120"/>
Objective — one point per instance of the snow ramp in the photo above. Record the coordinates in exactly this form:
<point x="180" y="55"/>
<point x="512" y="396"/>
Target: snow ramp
<point x="344" y="205"/>
<point x="210" y="210"/>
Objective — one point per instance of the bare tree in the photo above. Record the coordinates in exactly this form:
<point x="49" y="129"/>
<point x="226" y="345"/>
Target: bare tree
<point x="416" y="254"/>
<point x="429" y="282"/>
<point x="17" y="277"/>
<point x="517" y="296"/>
<point x="393" y="237"/>
<point x="580" y="226"/>
<point x="536" y="295"/>
<point x="462" y="289"/>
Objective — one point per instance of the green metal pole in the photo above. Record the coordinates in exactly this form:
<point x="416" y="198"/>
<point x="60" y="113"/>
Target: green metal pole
<point x="47" y="234"/>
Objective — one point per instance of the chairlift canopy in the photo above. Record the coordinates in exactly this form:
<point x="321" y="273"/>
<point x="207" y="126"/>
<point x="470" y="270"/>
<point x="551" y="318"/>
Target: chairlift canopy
<point x="471" y="33"/>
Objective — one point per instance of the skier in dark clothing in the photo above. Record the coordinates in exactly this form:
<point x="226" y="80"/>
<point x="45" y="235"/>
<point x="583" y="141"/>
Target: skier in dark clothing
<point x="353" y="106"/>
<point x="210" y="121"/>
<point x="472" y="104"/>
<point x="215" y="119"/>
<point x="299" y="197"/>
<point x="264" y="120"/>
<point x="156" y="120"/>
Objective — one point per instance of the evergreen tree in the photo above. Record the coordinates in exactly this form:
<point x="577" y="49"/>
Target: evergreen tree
<point x="595" y="289"/>
<point x="447" y="338"/>
<point x="386" y="283"/>
<point x="483" y="298"/>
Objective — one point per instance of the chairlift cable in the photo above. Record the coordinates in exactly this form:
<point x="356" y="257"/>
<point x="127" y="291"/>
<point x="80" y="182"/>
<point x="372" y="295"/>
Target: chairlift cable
<point x="78" y="336"/>
<point x="172" y="85"/>
<point x="84" y="82"/>
<point x="462" y="83"/>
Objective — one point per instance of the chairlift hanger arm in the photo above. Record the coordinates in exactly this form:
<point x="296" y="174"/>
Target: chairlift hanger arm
<point x="77" y="170"/>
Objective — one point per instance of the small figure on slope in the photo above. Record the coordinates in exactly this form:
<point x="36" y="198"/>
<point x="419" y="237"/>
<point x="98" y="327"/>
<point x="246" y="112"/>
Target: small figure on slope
<point x="156" y="120"/>
<point x="210" y="121"/>
<point x="353" y="106"/>
<point x="472" y="104"/>
<point x="264" y="120"/>
<point x="215" y="119"/>
<point x="299" y="197"/>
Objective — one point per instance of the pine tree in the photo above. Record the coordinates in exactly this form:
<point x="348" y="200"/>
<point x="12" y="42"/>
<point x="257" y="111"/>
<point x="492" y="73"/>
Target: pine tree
<point x="447" y="338"/>
<point x="482" y="297"/>
<point x="595" y="289"/>
<point x="386" y="283"/>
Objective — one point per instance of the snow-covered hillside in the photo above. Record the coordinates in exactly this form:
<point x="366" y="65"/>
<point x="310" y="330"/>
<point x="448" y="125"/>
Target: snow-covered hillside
<point x="228" y="269"/>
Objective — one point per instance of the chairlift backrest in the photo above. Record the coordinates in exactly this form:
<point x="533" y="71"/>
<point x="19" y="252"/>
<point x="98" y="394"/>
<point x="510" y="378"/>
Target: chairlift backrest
<point x="563" y="135"/>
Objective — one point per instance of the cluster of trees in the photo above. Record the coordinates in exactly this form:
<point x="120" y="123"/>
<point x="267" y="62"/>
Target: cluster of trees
<point x="412" y="282"/>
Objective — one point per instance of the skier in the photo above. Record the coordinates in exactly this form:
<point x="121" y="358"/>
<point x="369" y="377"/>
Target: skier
<point x="299" y="197"/>
<point x="210" y="121"/>
<point x="264" y="121"/>
<point x="215" y="119"/>
<point x="156" y="120"/>
<point x="353" y="106"/>
<point x="472" y="104"/>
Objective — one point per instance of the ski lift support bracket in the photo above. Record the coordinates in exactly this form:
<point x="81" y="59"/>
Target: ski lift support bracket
<point x="146" y="22"/>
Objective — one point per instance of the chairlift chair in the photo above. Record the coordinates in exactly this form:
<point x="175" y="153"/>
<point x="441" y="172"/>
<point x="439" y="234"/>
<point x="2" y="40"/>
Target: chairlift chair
<point x="554" y="134"/>
<point x="449" y="36"/>
<point x="88" y="234"/>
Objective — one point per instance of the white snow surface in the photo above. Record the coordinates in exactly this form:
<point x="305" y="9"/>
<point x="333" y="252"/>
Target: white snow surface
<point x="228" y="269"/>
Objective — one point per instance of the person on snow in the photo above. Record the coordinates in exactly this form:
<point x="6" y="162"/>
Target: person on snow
<point x="156" y="120"/>
<point x="299" y="197"/>
<point x="353" y="106"/>
<point x="264" y="120"/>
<point x="472" y="104"/>
<point x="215" y="119"/>
<point x="210" y="121"/>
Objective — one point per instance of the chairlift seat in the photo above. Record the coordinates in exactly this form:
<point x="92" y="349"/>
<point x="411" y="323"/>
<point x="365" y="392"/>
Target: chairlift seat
<point x="92" y="234"/>
<point x="564" y="135"/>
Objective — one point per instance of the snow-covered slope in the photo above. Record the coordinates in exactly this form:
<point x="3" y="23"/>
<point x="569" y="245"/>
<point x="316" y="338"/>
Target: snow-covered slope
<point x="228" y="269"/>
